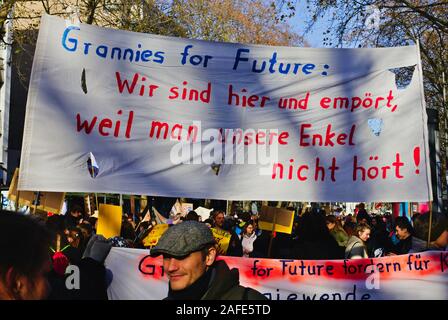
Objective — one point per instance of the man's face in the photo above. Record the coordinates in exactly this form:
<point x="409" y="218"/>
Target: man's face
<point x="183" y="272"/>
<point x="402" y="234"/>
<point x="219" y="220"/>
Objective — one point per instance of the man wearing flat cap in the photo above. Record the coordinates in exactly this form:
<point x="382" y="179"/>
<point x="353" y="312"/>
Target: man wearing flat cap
<point x="189" y="255"/>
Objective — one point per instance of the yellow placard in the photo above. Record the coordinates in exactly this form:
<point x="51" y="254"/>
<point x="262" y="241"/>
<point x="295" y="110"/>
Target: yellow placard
<point x="222" y="240"/>
<point x="109" y="220"/>
<point x="153" y="237"/>
<point x="48" y="201"/>
<point x="283" y="219"/>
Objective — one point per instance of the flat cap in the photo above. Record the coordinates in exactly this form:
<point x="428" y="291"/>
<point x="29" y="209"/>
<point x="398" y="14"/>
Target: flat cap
<point x="184" y="238"/>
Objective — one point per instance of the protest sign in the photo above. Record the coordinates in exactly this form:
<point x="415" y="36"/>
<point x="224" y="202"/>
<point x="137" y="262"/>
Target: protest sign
<point x="276" y="219"/>
<point x="109" y="220"/>
<point x="414" y="276"/>
<point x="235" y="121"/>
<point x="204" y="213"/>
<point x="153" y="237"/>
<point x="46" y="201"/>
<point x="222" y="238"/>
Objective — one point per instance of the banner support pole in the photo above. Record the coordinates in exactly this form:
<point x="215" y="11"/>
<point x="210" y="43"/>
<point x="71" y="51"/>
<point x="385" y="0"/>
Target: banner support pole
<point x="35" y="202"/>
<point x="272" y="235"/>
<point x="430" y="224"/>
<point x="17" y="200"/>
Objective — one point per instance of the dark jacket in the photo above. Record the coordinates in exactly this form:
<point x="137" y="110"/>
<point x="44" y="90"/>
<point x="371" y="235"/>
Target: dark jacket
<point x="235" y="247"/>
<point x="261" y="245"/>
<point x="71" y="221"/>
<point x="403" y="246"/>
<point x="92" y="284"/>
<point x="218" y="283"/>
<point x="322" y="249"/>
<point x="225" y="285"/>
<point x="379" y="243"/>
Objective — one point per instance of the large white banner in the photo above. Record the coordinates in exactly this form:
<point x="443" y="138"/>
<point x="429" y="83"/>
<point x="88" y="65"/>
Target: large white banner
<point x="421" y="276"/>
<point x="122" y="112"/>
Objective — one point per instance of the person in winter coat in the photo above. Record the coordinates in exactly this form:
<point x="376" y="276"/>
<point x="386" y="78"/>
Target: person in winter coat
<point x="336" y="230"/>
<point x="189" y="260"/>
<point x="314" y="241"/>
<point x="403" y="231"/>
<point x="248" y="238"/>
<point x="356" y="245"/>
<point x="379" y="243"/>
<point x="220" y="223"/>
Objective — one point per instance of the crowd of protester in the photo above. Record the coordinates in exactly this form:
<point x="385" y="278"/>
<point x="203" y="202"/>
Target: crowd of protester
<point x="315" y="235"/>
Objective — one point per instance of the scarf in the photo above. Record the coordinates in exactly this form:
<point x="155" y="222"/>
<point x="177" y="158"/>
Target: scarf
<point x="195" y="291"/>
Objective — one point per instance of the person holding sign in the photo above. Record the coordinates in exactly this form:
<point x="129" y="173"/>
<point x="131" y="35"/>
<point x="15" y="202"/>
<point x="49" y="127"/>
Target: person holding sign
<point x="73" y="217"/>
<point x="189" y="259"/>
<point x="234" y="247"/>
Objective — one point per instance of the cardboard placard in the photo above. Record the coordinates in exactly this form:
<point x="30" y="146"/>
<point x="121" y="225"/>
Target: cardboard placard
<point x="222" y="240"/>
<point x="48" y="201"/>
<point x="153" y="237"/>
<point x="109" y="220"/>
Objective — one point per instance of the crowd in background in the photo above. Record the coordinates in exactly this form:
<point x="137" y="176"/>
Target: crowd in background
<point x="315" y="234"/>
